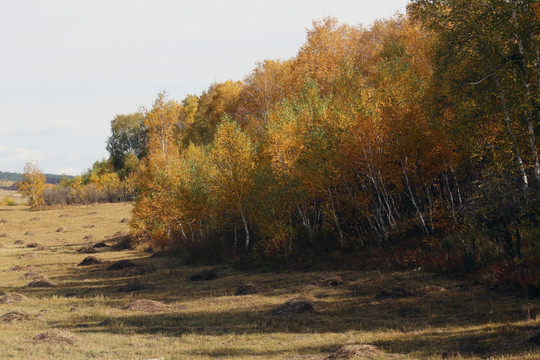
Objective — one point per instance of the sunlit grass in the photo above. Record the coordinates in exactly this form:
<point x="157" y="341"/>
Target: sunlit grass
<point x="446" y="318"/>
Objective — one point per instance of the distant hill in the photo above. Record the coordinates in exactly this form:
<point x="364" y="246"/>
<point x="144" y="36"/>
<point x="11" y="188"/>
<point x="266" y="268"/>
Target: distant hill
<point x="11" y="176"/>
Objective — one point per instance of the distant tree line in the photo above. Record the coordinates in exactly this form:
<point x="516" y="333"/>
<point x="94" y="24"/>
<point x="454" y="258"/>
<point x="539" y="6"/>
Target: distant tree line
<point x="17" y="177"/>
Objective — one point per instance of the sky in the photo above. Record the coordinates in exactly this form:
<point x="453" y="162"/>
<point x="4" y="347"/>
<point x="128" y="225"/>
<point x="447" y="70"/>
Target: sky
<point x="67" y="67"/>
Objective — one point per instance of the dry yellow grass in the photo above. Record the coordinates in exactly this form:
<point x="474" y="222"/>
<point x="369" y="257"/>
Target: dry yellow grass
<point x="441" y="317"/>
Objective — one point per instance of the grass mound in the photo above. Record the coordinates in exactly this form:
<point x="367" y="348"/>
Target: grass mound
<point x="61" y="229"/>
<point x="18" y="242"/>
<point x="10" y="298"/>
<point x="124" y="220"/>
<point x="355" y="352"/>
<point x="100" y="245"/>
<point x="90" y="260"/>
<point x="32" y="245"/>
<point x="43" y="282"/>
<point x="29" y="233"/>
<point x="89" y="226"/>
<point x="329" y="280"/>
<point x="56" y="336"/>
<point x="14" y="316"/>
<point x="122" y="264"/>
<point x="146" y="306"/>
<point x="88" y="238"/>
<point x="296" y="306"/>
<point x="250" y="288"/>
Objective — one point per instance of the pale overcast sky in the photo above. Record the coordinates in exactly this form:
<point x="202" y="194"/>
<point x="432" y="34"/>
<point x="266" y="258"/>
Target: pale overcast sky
<point x="67" y="67"/>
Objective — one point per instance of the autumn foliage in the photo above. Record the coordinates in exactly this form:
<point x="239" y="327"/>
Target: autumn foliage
<point x="403" y="135"/>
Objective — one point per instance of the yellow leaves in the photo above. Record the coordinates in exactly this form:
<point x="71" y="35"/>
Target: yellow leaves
<point x="33" y="184"/>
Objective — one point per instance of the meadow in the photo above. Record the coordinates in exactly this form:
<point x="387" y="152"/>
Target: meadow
<point x="148" y="308"/>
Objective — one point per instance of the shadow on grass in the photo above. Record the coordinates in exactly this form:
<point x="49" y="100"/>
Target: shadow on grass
<point x="456" y="321"/>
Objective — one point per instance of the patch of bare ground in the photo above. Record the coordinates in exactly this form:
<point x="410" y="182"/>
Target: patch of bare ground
<point x="90" y="260"/>
<point x="3" y="235"/>
<point x="18" y="242"/>
<point x="43" y="282"/>
<point x="148" y="306"/>
<point x="250" y="289"/>
<point x="10" y="298"/>
<point x="360" y="352"/>
<point x="61" y="229"/>
<point x="56" y="336"/>
<point x="122" y="264"/>
<point x="296" y="306"/>
<point x="3" y="221"/>
<point x="16" y="316"/>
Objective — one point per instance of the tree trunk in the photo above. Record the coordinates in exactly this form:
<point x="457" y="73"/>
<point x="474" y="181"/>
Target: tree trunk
<point x="510" y="129"/>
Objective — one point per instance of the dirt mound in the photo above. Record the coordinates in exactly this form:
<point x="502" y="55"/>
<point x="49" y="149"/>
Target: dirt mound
<point x="35" y="219"/>
<point x="3" y="221"/>
<point x="250" y="288"/>
<point x="44" y="248"/>
<point x="3" y="235"/>
<point x="100" y="245"/>
<point x="13" y="316"/>
<point x="18" y="242"/>
<point x="29" y="233"/>
<point x="365" y="352"/>
<point x="32" y="245"/>
<point x="124" y="220"/>
<point x="43" y="282"/>
<point x="92" y="213"/>
<point x="146" y="306"/>
<point x="329" y="280"/>
<point x="296" y="306"/>
<point x="88" y="238"/>
<point x="207" y="274"/>
<point x="132" y="286"/>
<point x="56" y="336"/>
<point x="61" y="229"/>
<point x="120" y="233"/>
<point x="122" y="264"/>
<point x="86" y="250"/>
<point x="396" y="292"/>
<point x="10" y="298"/>
<point x="63" y="215"/>
<point x="90" y="260"/>
<point x="89" y="226"/>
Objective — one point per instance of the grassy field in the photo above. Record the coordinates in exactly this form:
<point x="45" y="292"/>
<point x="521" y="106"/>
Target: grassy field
<point x="420" y="316"/>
